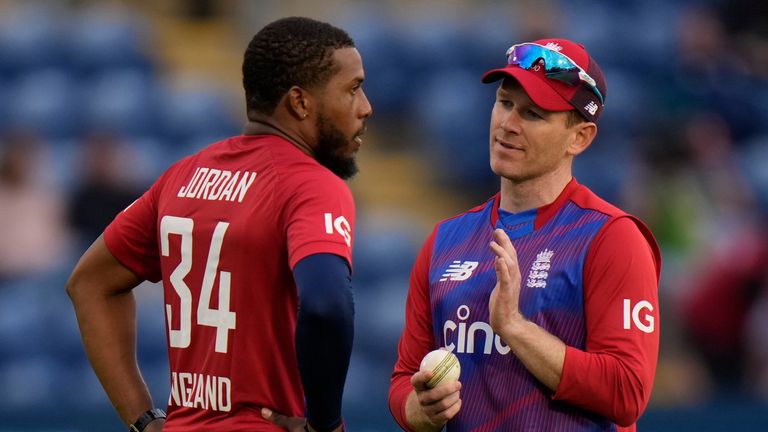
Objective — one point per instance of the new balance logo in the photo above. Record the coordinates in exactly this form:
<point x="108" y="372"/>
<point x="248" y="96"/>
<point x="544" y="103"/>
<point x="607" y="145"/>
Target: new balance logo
<point x="537" y="277"/>
<point x="591" y="107"/>
<point x="459" y="271"/>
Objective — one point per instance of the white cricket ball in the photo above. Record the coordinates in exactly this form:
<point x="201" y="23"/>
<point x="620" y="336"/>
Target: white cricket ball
<point x="444" y="365"/>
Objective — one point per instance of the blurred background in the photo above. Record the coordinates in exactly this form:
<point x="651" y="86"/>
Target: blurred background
<point x="98" y="98"/>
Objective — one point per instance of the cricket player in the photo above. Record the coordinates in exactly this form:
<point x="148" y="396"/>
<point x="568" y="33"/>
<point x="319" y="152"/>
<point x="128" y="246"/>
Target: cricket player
<point x="252" y="240"/>
<point x="547" y="294"/>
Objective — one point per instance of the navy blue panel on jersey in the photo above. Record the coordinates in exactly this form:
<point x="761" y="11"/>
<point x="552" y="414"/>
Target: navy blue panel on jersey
<point x="324" y="333"/>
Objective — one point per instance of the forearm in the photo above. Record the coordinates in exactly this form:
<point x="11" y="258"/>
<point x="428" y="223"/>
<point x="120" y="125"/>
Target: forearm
<point x="542" y="353"/>
<point x="605" y="384"/>
<point x="100" y="290"/>
<point x="399" y="388"/>
<point x="107" y="326"/>
<point x="323" y="348"/>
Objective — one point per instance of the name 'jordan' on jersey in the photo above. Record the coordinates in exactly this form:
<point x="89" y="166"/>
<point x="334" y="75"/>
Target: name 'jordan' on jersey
<point x="455" y="275"/>
<point x="230" y="223"/>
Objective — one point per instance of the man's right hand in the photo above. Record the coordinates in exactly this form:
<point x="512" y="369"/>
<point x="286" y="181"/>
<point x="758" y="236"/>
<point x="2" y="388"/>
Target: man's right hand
<point x="291" y="424"/>
<point x="429" y="409"/>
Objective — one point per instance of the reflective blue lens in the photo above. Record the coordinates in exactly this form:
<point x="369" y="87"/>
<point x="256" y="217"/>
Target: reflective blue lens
<point x="556" y="65"/>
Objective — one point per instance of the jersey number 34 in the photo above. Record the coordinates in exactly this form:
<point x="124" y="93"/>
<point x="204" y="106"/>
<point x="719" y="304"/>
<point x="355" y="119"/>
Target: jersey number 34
<point x="220" y="318"/>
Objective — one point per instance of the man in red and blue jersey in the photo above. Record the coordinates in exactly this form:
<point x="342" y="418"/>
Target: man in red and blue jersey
<point x="547" y="294"/>
<point x="252" y="240"/>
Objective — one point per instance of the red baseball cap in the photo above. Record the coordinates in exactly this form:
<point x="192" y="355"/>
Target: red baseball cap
<point x="555" y="95"/>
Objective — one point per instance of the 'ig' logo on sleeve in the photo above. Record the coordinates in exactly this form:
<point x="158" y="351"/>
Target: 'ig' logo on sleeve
<point x="647" y="324"/>
<point x="341" y="225"/>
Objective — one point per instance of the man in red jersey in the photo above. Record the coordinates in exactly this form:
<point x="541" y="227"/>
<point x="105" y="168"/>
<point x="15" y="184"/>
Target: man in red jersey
<point x="252" y="240"/>
<point x="547" y="294"/>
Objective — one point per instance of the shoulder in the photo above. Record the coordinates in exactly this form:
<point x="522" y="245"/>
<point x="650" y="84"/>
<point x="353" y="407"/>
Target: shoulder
<point x="619" y="223"/>
<point x="311" y="178"/>
<point x="625" y="235"/>
<point x="299" y="172"/>
<point x="584" y="197"/>
<point x="476" y="213"/>
<point x="621" y="229"/>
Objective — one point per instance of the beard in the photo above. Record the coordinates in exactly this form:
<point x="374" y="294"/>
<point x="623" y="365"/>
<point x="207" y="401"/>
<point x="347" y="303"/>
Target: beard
<point x="331" y="144"/>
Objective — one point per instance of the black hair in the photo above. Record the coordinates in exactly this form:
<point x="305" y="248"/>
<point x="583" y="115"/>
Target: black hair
<point x="287" y="52"/>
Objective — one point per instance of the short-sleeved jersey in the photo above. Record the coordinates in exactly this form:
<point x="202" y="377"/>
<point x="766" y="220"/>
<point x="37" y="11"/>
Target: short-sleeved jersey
<point x="223" y="230"/>
<point x="589" y="276"/>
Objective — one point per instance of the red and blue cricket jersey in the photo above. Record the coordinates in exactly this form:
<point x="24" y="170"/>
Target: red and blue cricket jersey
<point x="589" y="276"/>
<point x="223" y="230"/>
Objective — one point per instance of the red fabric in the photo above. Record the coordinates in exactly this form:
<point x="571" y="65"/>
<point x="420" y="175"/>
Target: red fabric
<point x="417" y="338"/>
<point x="264" y="227"/>
<point x="135" y="244"/>
<point x="614" y="377"/>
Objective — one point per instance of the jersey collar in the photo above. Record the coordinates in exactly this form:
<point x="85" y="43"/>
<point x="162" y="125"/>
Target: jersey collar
<point x="540" y="216"/>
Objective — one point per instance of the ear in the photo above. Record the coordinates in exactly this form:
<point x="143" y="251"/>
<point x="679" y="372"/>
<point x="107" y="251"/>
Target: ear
<point x="299" y="102"/>
<point x="583" y="134"/>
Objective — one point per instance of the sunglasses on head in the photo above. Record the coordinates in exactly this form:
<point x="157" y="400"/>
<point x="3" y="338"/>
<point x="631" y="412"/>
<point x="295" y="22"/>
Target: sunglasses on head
<point x="556" y="65"/>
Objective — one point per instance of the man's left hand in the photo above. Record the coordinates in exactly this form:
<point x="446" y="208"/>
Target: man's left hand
<point x="505" y="298"/>
<point x="291" y="424"/>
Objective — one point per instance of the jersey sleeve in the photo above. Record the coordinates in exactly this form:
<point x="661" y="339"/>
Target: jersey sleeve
<point x="614" y="376"/>
<point x="324" y="334"/>
<point x="319" y="218"/>
<point x="417" y="338"/>
<point x="132" y="236"/>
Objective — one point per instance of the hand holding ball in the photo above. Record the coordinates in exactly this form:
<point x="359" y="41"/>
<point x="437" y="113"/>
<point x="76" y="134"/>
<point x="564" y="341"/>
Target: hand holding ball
<point x="444" y="366"/>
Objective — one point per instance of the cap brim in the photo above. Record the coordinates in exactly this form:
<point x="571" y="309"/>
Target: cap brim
<point x="538" y="88"/>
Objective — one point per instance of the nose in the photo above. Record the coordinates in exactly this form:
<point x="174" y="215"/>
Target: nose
<point x="366" y="108"/>
<point x="510" y="121"/>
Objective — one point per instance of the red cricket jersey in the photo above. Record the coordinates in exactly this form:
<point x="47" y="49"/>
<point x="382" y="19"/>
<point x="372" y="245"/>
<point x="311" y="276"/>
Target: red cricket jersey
<point x="223" y="230"/>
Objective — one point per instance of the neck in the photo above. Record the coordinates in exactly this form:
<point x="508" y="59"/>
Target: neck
<point x="517" y="196"/>
<point x="258" y="125"/>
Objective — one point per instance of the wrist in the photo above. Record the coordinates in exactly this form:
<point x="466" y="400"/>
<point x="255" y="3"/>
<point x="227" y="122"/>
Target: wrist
<point x="145" y="419"/>
<point x="337" y="426"/>
<point x="514" y="329"/>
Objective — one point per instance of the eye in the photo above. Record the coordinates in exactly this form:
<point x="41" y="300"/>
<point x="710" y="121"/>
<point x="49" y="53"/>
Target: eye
<point x="533" y="114"/>
<point x="505" y="103"/>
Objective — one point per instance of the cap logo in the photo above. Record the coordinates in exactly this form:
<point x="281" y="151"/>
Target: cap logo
<point x="553" y="46"/>
<point x="591" y="107"/>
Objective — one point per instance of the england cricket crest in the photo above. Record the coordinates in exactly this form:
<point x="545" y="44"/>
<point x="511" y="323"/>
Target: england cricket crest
<point x="537" y="277"/>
